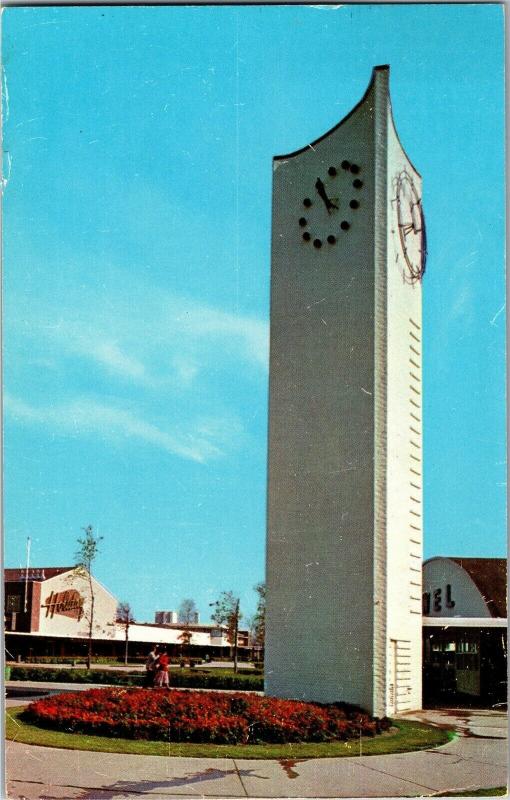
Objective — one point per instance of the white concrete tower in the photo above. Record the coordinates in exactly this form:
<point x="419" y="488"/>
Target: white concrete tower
<point x="344" y="543"/>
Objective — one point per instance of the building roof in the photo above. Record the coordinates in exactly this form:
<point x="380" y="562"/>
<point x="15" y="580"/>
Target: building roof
<point x="490" y="577"/>
<point x="34" y="573"/>
<point x="196" y="627"/>
<point x="484" y="623"/>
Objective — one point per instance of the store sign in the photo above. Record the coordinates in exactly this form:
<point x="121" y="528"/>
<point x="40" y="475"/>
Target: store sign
<point x="437" y="601"/>
<point x="68" y="603"/>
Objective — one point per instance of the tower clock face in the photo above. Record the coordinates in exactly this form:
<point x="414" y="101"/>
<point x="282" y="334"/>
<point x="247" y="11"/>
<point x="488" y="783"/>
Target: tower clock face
<point x="329" y="207"/>
<point x="412" y="237"/>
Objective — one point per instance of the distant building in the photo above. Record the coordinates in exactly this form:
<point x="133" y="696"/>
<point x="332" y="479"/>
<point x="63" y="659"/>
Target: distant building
<point x="172" y="617"/>
<point x="165" y="617"/>
<point x="47" y="614"/>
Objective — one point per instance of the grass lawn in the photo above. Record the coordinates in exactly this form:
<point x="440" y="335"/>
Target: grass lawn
<point x="408" y="736"/>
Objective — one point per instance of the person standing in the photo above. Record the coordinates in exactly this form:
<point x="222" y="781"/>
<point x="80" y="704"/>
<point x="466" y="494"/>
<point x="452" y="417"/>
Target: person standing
<point x="150" y="667"/>
<point x="162" y="665"/>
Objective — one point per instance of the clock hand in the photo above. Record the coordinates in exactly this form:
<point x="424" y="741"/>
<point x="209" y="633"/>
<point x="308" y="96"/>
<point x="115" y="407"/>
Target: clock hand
<point x="321" y="191"/>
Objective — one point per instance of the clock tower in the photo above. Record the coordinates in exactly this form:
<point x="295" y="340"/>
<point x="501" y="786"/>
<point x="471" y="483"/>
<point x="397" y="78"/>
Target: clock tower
<point x="344" y="541"/>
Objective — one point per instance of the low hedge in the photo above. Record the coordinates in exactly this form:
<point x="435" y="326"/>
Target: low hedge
<point x="77" y="676"/>
<point x="185" y="678"/>
<point x="202" y="679"/>
<point x="133" y="660"/>
<point x="54" y="660"/>
<point x="174" y="716"/>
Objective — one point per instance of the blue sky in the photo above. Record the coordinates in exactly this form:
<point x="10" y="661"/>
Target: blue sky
<point x="138" y="146"/>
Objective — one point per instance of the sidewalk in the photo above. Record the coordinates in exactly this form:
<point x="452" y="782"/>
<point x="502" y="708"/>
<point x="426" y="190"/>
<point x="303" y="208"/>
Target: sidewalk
<point x="476" y="759"/>
<point x="19" y="692"/>
<point x="80" y="665"/>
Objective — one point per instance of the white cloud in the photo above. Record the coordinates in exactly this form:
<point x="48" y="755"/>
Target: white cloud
<point x="141" y="334"/>
<point x="197" y="320"/>
<point x="201" y="440"/>
<point x="186" y="369"/>
<point x="111" y="356"/>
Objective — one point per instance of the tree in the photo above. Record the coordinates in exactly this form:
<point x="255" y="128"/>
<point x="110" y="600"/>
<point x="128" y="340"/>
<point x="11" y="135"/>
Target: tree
<point x="125" y="617"/>
<point x="227" y="613"/>
<point x="187" y="612"/>
<point x="186" y="615"/>
<point x="259" y="620"/>
<point x="88" y="548"/>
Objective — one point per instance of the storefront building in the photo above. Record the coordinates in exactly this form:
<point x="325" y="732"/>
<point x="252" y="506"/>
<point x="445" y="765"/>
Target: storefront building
<point x="47" y="614"/>
<point x="464" y="631"/>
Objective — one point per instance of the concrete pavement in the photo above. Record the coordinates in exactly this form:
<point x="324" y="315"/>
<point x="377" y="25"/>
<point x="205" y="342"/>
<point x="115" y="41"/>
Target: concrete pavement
<point x="80" y="665"/>
<point x="19" y="691"/>
<point x="476" y="759"/>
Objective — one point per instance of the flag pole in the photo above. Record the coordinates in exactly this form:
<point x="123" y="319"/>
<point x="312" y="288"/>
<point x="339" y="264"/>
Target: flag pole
<point x="25" y="608"/>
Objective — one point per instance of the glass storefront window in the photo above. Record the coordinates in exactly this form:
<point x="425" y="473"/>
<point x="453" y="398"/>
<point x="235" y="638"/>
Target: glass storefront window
<point x="13" y="602"/>
<point x="467" y="647"/>
<point x="443" y="647"/>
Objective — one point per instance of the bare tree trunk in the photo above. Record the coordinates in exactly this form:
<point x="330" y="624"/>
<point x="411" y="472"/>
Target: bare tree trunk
<point x="236" y="634"/>
<point x="91" y="621"/>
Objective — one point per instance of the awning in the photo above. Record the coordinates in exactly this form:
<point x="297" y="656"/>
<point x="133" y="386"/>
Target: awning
<point x="465" y="622"/>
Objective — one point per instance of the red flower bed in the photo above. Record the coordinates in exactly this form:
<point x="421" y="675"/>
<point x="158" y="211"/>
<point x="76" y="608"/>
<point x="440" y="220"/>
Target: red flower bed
<point x="178" y="716"/>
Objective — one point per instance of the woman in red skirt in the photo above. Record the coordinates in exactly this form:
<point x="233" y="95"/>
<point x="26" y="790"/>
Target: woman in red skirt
<point x="162" y="665"/>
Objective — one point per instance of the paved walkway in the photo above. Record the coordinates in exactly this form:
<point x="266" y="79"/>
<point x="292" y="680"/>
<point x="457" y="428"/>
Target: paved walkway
<point x="476" y="759"/>
<point x="242" y="665"/>
<point x="18" y="691"/>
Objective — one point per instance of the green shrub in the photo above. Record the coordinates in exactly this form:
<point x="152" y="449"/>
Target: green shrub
<point x="185" y="678"/>
<point x="76" y="676"/>
<point x="81" y="659"/>
<point x="51" y="660"/>
<point x="202" y="679"/>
